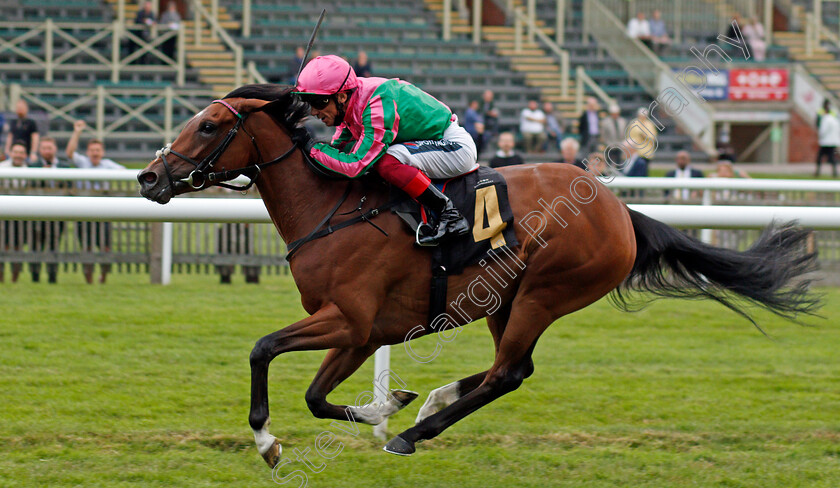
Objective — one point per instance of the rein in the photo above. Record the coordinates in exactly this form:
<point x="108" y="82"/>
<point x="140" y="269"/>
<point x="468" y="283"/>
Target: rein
<point x="318" y="232"/>
<point x="199" y="178"/>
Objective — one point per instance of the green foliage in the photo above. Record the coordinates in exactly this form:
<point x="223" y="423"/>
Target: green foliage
<point x="138" y="385"/>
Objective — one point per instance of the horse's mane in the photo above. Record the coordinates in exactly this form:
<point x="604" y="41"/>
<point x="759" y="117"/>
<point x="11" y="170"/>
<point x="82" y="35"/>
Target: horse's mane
<point x="287" y="109"/>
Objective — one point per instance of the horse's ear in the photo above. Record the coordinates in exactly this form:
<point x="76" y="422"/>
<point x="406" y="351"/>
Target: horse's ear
<point x="276" y="110"/>
<point x="252" y="105"/>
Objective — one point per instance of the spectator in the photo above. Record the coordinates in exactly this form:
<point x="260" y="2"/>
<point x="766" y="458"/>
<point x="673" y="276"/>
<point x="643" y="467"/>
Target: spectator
<point x="295" y="64"/>
<point x="553" y="131"/>
<point x="47" y="235"/>
<point x="589" y="126"/>
<point x="14" y="231"/>
<point x="643" y="135"/>
<point x="236" y="239"/>
<point x="506" y="156"/>
<point x="684" y="170"/>
<point x="92" y="234"/>
<point x="613" y="128"/>
<point x="24" y="130"/>
<point x="143" y="21"/>
<point x="730" y="33"/>
<point x="363" y="66"/>
<point x="569" y="149"/>
<point x="724" y="237"/>
<point x="171" y="20"/>
<point x="725" y="151"/>
<point x="639" y="28"/>
<point x="474" y="125"/>
<point x="491" y="116"/>
<point x="754" y="35"/>
<point x="829" y="138"/>
<point x="636" y="165"/>
<point x="725" y="169"/>
<point x="597" y="164"/>
<point x="532" y="127"/>
<point x="658" y="33"/>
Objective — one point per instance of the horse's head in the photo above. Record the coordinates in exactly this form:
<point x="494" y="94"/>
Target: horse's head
<point x="220" y="142"/>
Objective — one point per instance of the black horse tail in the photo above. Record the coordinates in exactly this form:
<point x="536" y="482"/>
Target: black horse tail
<point x="670" y="263"/>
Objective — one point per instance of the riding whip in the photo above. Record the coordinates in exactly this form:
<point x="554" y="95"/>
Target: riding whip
<point x="309" y="46"/>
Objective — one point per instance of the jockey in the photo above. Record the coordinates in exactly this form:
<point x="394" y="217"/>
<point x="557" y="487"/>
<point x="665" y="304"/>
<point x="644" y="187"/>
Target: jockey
<point x="390" y="125"/>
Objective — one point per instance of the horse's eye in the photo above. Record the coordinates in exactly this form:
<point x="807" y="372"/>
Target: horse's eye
<point x="207" y="128"/>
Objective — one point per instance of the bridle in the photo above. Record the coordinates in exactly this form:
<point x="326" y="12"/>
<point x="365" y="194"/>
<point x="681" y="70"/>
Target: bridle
<point x="203" y="176"/>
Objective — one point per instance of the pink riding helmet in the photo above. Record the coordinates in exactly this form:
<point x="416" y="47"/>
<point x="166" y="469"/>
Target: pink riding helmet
<point x="326" y="75"/>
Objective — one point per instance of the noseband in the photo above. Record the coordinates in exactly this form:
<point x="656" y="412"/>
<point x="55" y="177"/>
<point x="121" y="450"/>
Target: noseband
<point x="203" y="176"/>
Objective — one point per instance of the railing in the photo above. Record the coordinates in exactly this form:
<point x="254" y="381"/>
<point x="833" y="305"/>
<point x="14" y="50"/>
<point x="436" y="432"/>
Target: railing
<point x="97" y="99"/>
<point x="98" y="38"/>
<point x="200" y="240"/>
<point x="584" y="82"/>
<point x="696" y="118"/>
<point x="216" y="30"/>
<point x="254" y="76"/>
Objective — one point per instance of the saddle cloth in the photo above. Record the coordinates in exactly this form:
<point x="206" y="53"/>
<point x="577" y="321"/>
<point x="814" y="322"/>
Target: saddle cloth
<point x="482" y="198"/>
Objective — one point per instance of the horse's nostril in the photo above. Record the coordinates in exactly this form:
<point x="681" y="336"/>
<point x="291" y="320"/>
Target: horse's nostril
<point x="148" y="178"/>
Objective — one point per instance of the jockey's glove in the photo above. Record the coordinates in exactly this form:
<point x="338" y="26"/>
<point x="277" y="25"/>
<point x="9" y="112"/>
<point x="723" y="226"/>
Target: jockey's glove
<point x="301" y="137"/>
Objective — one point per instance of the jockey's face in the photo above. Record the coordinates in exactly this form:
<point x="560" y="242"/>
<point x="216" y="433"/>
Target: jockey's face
<point x="329" y="113"/>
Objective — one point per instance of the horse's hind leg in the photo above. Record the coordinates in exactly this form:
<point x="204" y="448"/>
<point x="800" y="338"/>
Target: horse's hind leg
<point x="337" y="366"/>
<point x="446" y="395"/>
<point x="512" y="365"/>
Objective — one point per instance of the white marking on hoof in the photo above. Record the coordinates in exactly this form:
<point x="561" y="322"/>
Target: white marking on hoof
<point x="438" y="399"/>
<point x="263" y="439"/>
<point x="375" y="413"/>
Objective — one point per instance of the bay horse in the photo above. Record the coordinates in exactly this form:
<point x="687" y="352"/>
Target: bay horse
<point x="577" y="243"/>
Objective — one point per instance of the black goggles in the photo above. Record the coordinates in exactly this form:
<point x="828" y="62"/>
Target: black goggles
<point x="318" y="102"/>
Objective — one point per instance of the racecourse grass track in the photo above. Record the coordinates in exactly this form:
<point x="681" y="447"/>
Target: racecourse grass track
<point x="131" y="384"/>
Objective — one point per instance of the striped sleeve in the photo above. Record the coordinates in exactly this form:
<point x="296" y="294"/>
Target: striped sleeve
<point x="342" y="135"/>
<point x="380" y="124"/>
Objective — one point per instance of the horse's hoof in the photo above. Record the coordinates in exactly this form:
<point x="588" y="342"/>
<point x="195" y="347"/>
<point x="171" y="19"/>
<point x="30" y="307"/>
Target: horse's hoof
<point x="404" y="396"/>
<point x="399" y="446"/>
<point x="272" y="455"/>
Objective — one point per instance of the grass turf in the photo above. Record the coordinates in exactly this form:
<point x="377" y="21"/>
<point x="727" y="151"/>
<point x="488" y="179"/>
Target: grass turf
<point x="137" y="385"/>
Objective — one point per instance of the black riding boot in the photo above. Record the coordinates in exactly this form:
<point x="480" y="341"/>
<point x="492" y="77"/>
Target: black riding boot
<point x="450" y="221"/>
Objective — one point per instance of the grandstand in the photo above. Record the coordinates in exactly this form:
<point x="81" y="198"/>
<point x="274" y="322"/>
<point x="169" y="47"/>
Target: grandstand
<point x="71" y="59"/>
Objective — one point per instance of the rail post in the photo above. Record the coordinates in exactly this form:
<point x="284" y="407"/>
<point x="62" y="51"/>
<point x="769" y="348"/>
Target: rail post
<point x="182" y="55"/>
<point x="100" y="112"/>
<point x="116" y="36"/>
<point x="381" y="385"/>
<point x="48" y="51"/>
<point x="447" y="20"/>
<point x="246" y="18"/>
<point x="532" y="20"/>
<point x="169" y="94"/>
<point x="476" y="21"/>
<point x="560" y="28"/>
<point x="214" y="14"/>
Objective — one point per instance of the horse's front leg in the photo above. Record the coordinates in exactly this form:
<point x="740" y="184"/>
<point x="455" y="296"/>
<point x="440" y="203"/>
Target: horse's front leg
<point x="338" y="365"/>
<point x="328" y="328"/>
